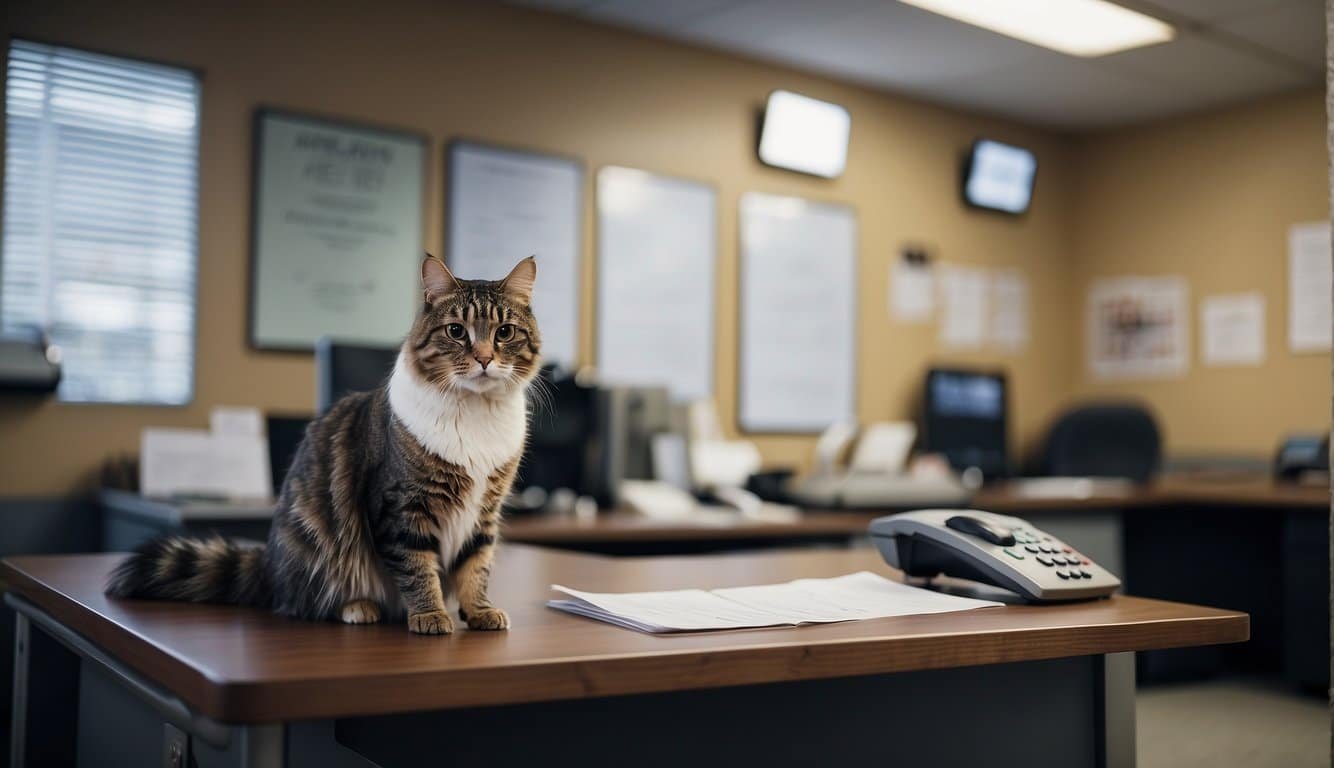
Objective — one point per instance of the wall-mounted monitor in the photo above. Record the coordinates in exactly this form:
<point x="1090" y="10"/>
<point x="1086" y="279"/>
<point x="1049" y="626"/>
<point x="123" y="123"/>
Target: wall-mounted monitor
<point x="999" y="177"/>
<point x="805" y="135"/>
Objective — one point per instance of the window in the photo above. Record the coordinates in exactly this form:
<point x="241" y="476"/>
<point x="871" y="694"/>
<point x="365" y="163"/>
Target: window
<point x="99" y="246"/>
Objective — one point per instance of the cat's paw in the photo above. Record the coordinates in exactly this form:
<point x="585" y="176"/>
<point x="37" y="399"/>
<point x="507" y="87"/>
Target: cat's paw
<point x="488" y="619"/>
<point x="431" y="623"/>
<point x="360" y="612"/>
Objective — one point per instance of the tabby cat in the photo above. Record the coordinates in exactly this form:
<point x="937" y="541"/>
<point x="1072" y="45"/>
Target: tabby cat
<point x="393" y="499"/>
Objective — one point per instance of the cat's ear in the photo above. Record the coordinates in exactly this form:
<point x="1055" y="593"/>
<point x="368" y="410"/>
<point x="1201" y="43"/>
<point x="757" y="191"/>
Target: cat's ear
<point x="519" y="282"/>
<point x="437" y="280"/>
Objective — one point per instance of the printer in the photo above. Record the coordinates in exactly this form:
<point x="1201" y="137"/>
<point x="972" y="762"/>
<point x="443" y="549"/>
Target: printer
<point x="28" y="362"/>
<point x="877" y="474"/>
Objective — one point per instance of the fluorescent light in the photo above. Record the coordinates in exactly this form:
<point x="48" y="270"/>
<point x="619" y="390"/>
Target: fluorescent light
<point x="1077" y="27"/>
<point x="805" y="134"/>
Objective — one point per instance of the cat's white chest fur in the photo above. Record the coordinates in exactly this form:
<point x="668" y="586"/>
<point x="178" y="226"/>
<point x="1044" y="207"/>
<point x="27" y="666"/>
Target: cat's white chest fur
<point x="478" y="434"/>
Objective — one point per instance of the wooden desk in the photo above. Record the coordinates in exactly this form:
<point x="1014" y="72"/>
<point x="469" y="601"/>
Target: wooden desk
<point x="234" y="676"/>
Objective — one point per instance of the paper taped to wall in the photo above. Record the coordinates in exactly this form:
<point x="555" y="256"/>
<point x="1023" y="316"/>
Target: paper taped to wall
<point x="1233" y="329"/>
<point x="964" y="299"/>
<point x="912" y="291"/>
<point x="1008" y="327"/>
<point x="1310" y="296"/>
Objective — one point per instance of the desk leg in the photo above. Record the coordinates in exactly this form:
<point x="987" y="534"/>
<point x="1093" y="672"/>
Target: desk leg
<point x="18" y="724"/>
<point x="260" y="746"/>
<point x="1117" y="712"/>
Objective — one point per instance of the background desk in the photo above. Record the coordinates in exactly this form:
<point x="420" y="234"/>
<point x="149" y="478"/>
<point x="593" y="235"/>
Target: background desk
<point x="939" y="690"/>
<point x="1250" y="544"/>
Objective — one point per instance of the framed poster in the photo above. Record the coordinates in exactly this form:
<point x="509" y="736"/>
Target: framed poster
<point x="657" y="263"/>
<point x="337" y="220"/>
<point x="798" y="368"/>
<point x="507" y="204"/>
<point x="1138" y="327"/>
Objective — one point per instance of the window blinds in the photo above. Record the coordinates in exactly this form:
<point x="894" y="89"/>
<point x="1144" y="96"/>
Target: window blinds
<point x="100" y="211"/>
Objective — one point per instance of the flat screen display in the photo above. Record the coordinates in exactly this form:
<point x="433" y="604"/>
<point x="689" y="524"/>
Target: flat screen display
<point x="805" y="135"/>
<point x="999" y="177"/>
<point x="965" y="419"/>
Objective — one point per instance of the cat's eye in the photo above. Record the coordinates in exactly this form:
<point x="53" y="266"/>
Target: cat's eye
<point x="505" y="332"/>
<point x="456" y="331"/>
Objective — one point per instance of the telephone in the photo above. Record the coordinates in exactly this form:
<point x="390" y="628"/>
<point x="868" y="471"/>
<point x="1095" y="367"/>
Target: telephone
<point x="994" y="549"/>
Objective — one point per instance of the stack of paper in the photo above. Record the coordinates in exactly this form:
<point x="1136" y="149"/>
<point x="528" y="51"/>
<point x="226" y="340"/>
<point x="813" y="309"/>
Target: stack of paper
<point x="862" y="595"/>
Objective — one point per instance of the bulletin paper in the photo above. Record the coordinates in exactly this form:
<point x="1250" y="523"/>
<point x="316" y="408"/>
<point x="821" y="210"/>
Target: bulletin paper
<point x="1310" y="297"/>
<point x="1233" y="329"/>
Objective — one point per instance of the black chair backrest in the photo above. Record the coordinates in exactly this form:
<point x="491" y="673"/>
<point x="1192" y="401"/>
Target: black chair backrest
<point x="341" y="368"/>
<point x="1105" y="440"/>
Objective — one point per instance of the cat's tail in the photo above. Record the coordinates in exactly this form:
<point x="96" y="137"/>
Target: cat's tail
<point x="213" y="570"/>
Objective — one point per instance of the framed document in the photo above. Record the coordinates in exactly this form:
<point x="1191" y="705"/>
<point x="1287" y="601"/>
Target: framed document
<point x="657" y="265"/>
<point x="336" y="231"/>
<point x="798" y="369"/>
<point x="506" y="204"/>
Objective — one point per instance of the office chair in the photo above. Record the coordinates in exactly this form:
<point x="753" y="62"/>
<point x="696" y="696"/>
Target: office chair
<point x="1103" y="440"/>
<point x="341" y="368"/>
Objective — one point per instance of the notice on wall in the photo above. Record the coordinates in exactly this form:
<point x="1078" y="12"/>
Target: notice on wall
<point x="1310" y="314"/>
<point x="337" y="232"/>
<point x="1008" y="326"/>
<point x="964" y="303"/>
<point x="1233" y="329"/>
<point x="505" y="205"/>
<point x="912" y="291"/>
<point x="1138" y="327"/>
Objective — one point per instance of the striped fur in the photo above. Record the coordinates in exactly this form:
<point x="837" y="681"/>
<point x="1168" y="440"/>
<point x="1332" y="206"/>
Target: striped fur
<point x="394" y="498"/>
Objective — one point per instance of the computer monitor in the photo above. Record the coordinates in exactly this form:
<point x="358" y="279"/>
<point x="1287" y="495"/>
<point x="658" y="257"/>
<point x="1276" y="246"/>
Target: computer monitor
<point x="562" y="423"/>
<point x="341" y="368"/>
<point x="965" y="419"/>
<point x="285" y="436"/>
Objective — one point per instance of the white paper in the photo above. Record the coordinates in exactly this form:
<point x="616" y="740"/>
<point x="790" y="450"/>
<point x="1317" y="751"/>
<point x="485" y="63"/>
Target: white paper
<point x="862" y="595"/>
<point x="236" y="420"/>
<point x="1233" y="329"/>
<point x="197" y="462"/>
<point x="912" y="291"/>
<point x="964" y="297"/>
<point x="1310" y="314"/>
<point x="1138" y="327"/>
<point x="798" y="364"/>
<point x="657" y="242"/>
<point x="1009" y="310"/>
<point x="505" y="206"/>
<point x="883" y="447"/>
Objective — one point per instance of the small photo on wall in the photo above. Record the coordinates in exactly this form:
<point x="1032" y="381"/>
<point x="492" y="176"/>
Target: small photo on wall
<point x="1138" y="327"/>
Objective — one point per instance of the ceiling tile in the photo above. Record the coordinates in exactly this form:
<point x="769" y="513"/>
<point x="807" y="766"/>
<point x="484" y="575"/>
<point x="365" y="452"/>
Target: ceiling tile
<point x="655" y="14"/>
<point x="1223" y="55"/>
<point x="563" y="6"/>
<point x="893" y="44"/>
<point x="754" y="23"/>
<point x="1199" y="10"/>
<point x="1203" y="70"/>
<point x="1059" y="92"/>
<point x="1293" y="29"/>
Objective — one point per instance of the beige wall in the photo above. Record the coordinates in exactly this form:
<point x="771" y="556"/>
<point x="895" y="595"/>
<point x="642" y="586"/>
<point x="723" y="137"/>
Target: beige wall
<point x="520" y="77"/>
<point x="1211" y="197"/>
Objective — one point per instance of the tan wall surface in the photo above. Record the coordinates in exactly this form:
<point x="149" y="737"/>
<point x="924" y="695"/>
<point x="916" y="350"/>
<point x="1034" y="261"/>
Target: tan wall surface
<point x="1210" y="197"/>
<point x="519" y="77"/>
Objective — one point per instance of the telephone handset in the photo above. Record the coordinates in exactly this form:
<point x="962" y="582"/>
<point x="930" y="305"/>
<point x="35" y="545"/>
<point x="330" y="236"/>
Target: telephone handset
<point x="1007" y="552"/>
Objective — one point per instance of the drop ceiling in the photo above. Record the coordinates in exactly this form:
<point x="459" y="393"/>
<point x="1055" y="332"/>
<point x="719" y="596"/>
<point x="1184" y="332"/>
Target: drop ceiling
<point x="1226" y="51"/>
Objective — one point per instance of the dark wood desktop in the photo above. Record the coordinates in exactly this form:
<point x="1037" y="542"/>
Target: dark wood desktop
<point x="236" y="675"/>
